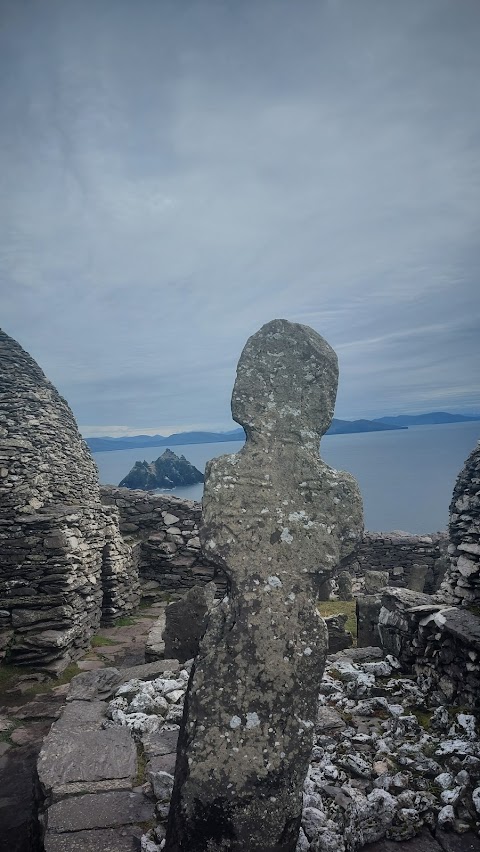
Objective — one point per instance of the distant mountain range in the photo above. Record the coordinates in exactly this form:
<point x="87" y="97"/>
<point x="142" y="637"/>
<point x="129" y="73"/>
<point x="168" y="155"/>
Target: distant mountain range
<point x="431" y="419"/>
<point x="338" y="427"/>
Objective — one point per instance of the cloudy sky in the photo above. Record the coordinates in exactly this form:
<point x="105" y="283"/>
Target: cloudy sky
<point x="175" y="173"/>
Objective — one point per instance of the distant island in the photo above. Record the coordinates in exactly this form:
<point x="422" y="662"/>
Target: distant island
<point x="168" y="471"/>
<point x="338" y="427"/>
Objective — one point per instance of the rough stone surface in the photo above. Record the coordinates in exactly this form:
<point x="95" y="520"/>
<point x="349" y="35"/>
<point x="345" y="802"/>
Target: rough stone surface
<point x="438" y="642"/>
<point x="368" y="612"/>
<point x="462" y="580"/>
<point x="103" y="810"/>
<point x="168" y="561"/>
<point x="278" y="520"/>
<point x="338" y="637"/>
<point x="411" y="561"/>
<point x="56" y="539"/>
<point x="186" y="621"/>
<point x="108" y="840"/>
<point x="155" y="645"/>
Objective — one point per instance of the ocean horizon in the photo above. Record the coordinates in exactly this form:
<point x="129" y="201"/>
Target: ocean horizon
<point x="406" y="477"/>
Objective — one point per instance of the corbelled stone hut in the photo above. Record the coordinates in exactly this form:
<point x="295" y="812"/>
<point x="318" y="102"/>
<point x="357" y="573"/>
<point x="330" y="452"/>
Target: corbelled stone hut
<point x="53" y="528"/>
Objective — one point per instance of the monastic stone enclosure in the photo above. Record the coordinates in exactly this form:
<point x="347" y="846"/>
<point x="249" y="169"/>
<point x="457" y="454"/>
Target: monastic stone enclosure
<point x="164" y="528"/>
<point x="277" y="520"/>
<point x="462" y="582"/>
<point x="412" y="561"/>
<point x="53" y="528"/>
<point x="438" y="641"/>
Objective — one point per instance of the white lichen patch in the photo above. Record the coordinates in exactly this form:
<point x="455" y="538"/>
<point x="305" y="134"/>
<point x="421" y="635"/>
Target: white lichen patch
<point x="286" y="536"/>
<point x="253" y="720"/>
<point x="235" y="722"/>
<point x="274" y="582"/>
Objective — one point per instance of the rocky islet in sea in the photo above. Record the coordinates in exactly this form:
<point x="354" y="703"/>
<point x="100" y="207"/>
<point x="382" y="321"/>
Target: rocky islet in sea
<point x="168" y="471"/>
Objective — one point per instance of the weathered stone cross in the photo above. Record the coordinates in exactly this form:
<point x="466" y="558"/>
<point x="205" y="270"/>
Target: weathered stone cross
<point x="278" y="520"/>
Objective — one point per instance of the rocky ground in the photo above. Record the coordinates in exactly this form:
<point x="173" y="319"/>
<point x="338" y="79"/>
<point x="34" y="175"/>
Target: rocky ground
<point x="388" y="773"/>
<point x="384" y="765"/>
<point x="29" y="703"/>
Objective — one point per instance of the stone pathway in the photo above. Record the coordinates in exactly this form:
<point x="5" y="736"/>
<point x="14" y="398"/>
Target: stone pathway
<point x="29" y="704"/>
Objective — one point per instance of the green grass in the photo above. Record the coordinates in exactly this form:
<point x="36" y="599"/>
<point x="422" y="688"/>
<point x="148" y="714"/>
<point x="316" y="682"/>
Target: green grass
<point x="423" y="717"/>
<point x="141" y="775"/>
<point x="125" y="621"/>
<point x="10" y="675"/>
<point x="326" y="608"/>
<point x="99" y="641"/>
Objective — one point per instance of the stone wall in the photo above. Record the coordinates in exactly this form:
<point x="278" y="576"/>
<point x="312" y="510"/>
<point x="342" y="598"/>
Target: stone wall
<point x="440" y="644"/>
<point x="65" y="564"/>
<point x="462" y="581"/>
<point x="166" y="528"/>
<point x="412" y="561"/>
<point x="52" y="528"/>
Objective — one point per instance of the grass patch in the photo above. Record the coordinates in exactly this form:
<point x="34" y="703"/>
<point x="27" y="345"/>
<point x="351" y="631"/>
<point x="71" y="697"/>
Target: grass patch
<point x="10" y="674"/>
<point x="141" y="775"/>
<point x="475" y="610"/>
<point x="423" y="718"/>
<point x="124" y="621"/>
<point x="5" y="735"/>
<point x="99" y="641"/>
<point x="326" y="608"/>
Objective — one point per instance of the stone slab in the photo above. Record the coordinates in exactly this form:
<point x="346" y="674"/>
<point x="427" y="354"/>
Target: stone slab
<point x="163" y="763"/>
<point x="94" y="684"/>
<point x="451" y="842"/>
<point x="86" y="756"/>
<point x="463" y="625"/>
<point x="49" y="708"/>
<point x="368" y="654"/>
<point x="81" y="715"/>
<point x="149" y="671"/>
<point x="106" y="840"/>
<point x="159" y="743"/>
<point x="329" y="720"/>
<point x="424" y="842"/>
<point x="102" y="810"/>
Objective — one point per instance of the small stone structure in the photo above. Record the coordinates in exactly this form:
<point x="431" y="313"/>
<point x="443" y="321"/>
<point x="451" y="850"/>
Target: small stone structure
<point x="412" y="561"/>
<point x="165" y="528"/>
<point x="462" y="581"/>
<point x="278" y="520"/>
<point x="57" y="541"/>
<point x="438" y="641"/>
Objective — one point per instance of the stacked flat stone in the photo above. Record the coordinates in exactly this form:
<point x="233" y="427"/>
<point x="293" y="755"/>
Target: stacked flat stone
<point x="439" y="643"/>
<point x="166" y="527"/>
<point x="52" y="523"/>
<point x="412" y="561"/>
<point x="120" y="583"/>
<point x="462" y="581"/>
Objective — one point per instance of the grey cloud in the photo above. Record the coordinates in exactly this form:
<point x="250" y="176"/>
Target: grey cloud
<point x="178" y="174"/>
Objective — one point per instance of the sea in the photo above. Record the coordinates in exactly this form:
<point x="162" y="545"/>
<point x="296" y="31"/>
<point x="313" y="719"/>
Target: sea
<point x="406" y="477"/>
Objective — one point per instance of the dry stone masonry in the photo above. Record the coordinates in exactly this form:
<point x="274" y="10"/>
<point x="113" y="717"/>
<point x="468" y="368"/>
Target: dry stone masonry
<point x="413" y="561"/>
<point x="277" y="520"/>
<point x="166" y="530"/>
<point x="438" y="637"/>
<point x="51" y="522"/>
<point x="462" y="582"/>
<point x="63" y="558"/>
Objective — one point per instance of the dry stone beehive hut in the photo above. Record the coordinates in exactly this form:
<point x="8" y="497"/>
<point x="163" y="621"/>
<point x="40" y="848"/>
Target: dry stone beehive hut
<point x="53" y="527"/>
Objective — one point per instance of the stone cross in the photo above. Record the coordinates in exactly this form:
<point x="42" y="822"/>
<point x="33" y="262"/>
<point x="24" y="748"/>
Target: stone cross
<point x="278" y="520"/>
